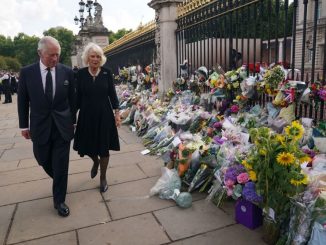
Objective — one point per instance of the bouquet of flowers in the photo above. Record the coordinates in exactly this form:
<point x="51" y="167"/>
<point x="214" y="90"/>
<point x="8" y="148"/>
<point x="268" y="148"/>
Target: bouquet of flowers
<point x="275" y="161"/>
<point x="272" y="79"/>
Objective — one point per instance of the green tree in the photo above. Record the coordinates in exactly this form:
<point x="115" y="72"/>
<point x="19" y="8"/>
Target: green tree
<point x="26" y="48"/>
<point x="66" y="39"/>
<point x="113" y="36"/>
<point x="12" y="64"/>
<point x="3" y="64"/>
<point x="6" y="46"/>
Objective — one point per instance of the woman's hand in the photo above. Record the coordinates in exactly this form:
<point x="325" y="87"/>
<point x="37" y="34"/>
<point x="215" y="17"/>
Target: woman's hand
<point x="117" y="119"/>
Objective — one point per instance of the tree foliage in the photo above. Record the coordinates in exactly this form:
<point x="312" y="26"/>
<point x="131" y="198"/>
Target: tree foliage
<point x="113" y="36"/>
<point x="9" y="63"/>
<point x="66" y="39"/>
<point x="25" y="48"/>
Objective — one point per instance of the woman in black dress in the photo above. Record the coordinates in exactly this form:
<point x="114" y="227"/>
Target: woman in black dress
<point x="96" y="131"/>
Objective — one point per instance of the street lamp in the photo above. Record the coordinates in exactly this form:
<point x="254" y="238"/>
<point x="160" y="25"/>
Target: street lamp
<point x="89" y="5"/>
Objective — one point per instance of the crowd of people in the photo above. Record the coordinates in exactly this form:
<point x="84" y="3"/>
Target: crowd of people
<point x="8" y="85"/>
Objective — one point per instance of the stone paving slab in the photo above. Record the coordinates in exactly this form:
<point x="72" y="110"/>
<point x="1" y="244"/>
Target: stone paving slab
<point x="6" y="146"/>
<point x="126" y="158"/>
<point x="25" y="191"/>
<point x="232" y="235"/>
<point x="6" y="213"/>
<point x="139" y="230"/>
<point x="25" y="143"/>
<point x="38" y="218"/>
<point x="131" y="199"/>
<point x="17" y="154"/>
<point x="22" y="175"/>
<point x="68" y="238"/>
<point x="6" y="166"/>
<point x="152" y="167"/>
<point x="128" y="148"/>
<point x="201" y="217"/>
<point x="27" y="163"/>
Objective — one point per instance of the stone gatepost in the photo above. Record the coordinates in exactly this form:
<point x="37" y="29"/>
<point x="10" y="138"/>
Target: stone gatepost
<point x="165" y="40"/>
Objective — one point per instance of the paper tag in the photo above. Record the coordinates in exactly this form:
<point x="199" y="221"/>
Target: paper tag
<point x="271" y="213"/>
<point x="176" y="141"/>
<point x="133" y="129"/>
<point x="144" y="152"/>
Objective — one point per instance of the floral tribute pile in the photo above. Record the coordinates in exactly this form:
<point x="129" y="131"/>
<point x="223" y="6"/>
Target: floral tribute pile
<point x="215" y="136"/>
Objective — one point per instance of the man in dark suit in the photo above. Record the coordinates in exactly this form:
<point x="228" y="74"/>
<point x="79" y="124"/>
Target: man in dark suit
<point x="46" y="90"/>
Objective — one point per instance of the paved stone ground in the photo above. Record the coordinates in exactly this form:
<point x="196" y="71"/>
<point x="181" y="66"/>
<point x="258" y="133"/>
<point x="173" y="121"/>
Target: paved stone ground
<point x="123" y="215"/>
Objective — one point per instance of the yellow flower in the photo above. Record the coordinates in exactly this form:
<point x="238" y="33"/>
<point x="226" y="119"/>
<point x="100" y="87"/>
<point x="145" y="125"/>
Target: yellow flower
<point x="246" y="164"/>
<point x="285" y="158"/>
<point x="263" y="152"/>
<point x="280" y="138"/>
<point x="252" y="175"/>
<point x="295" y="130"/>
<point x="305" y="159"/>
<point x="303" y="181"/>
<point x="238" y="97"/>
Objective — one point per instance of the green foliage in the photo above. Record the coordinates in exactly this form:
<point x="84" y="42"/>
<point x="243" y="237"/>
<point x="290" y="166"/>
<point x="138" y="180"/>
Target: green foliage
<point x="66" y="39"/>
<point x="3" y="64"/>
<point x="26" y="48"/>
<point x="276" y="176"/>
<point x="6" y="46"/>
<point x="9" y="63"/>
<point x="113" y="36"/>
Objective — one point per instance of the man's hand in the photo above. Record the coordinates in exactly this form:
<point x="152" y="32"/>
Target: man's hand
<point x="26" y="134"/>
<point x="117" y="119"/>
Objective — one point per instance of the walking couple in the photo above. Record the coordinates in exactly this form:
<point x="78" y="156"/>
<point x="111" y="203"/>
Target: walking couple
<point x="49" y="96"/>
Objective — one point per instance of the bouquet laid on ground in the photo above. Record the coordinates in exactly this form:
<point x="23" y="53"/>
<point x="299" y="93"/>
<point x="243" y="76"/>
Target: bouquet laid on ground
<point x="275" y="160"/>
<point x="238" y="183"/>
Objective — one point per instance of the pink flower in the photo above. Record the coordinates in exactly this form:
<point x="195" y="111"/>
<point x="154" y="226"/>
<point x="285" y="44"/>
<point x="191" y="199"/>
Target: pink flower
<point x="243" y="178"/>
<point x="234" y="108"/>
<point x="229" y="192"/>
<point x="229" y="183"/>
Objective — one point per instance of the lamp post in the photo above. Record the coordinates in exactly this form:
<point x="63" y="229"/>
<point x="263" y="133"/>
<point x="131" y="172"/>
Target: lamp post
<point x="89" y="6"/>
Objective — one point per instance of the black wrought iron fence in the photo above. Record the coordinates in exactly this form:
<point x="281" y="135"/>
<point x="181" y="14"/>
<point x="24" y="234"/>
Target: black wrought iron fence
<point x="232" y="33"/>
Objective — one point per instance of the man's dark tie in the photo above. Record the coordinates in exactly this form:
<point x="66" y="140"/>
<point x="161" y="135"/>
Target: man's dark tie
<point x="49" y="85"/>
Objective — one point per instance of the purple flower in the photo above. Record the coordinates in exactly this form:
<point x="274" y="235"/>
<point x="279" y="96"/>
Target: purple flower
<point x="218" y="140"/>
<point x="217" y="125"/>
<point x="310" y="153"/>
<point x="322" y="94"/>
<point x="249" y="193"/>
<point x="232" y="172"/>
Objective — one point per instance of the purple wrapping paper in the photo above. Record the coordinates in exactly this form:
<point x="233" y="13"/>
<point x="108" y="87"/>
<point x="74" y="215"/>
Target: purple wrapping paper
<point x="248" y="214"/>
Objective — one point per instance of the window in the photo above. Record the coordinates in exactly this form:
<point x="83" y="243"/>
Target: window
<point x="309" y="55"/>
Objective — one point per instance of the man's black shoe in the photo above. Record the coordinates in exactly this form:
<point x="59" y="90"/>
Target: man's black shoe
<point x="63" y="209"/>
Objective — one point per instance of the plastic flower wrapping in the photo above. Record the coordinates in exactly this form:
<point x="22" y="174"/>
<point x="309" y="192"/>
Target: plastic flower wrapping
<point x="225" y="145"/>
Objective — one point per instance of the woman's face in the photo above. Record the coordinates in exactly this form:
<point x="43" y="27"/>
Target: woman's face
<point x="94" y="60"/>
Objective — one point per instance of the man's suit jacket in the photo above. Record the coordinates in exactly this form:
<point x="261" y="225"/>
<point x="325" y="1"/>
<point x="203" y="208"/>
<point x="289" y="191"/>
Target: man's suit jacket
<point x="32" y="99"/>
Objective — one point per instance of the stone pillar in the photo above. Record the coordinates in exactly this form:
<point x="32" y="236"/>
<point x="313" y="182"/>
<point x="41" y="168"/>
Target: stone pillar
<point x="165" y="40"/>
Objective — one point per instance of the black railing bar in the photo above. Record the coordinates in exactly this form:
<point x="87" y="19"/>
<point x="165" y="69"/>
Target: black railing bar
<point x="314" y="42"/>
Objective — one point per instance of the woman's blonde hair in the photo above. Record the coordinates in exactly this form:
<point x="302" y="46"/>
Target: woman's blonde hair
<point x="97" y="49"/>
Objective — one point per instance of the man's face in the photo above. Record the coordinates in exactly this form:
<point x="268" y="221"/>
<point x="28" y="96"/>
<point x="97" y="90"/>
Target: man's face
<point x="50" y="55"/>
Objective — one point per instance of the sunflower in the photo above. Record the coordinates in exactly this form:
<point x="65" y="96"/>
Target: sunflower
<point x="280" y="138"/>
<point x="252" y="175"/>
<point x="285" y="158"/>
<point x="262" y="152"/>
<point x="302" y="181"/>
<point x="295" y="130"/>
